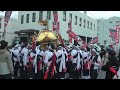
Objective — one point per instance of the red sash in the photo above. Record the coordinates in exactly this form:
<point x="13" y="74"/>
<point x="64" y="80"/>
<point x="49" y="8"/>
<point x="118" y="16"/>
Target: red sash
<point x="69" y="57"/>
<point x="113" y="71"/>
<point x="87" y="65"/>
<point x="52" y="64"/>
<point x="30" y="62"/>
<point x="39" y="65"/>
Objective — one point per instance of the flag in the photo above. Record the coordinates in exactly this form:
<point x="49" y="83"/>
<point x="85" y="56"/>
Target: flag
<point x="113" y="34"/>
<point x="6" y="20"/>
<point x="7" y="17"/>
<point x="73" y="35"/>
<point x="95" y="40"/>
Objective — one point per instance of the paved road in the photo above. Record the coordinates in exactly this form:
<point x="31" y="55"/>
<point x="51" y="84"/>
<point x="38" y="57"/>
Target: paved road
<point x="101" y="74"/>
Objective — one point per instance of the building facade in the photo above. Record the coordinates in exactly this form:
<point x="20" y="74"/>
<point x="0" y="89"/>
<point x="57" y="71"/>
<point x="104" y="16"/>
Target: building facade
<point x="10" y="29"/>
<point x="104" y="25"/>
<point x="82" y="24"/>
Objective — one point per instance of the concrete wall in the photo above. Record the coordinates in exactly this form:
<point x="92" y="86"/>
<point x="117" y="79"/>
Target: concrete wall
<point x="10" y="29"/>
<point x="79" y="30"/>
<point x="103" y="29"/>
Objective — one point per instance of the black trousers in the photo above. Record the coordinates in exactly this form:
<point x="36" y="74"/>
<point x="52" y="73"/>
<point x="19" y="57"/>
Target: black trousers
<point x="24" y="73"/>
<point x="7" y="76"/>
<point x="60" y="75"/>
<point x="39" y="75"/>
<point x="69" y="66"/>
<point x="85" y="71"/>
<point x="73" y="71"/>
<point x="94" y="73"/>
<point x="16" y="68"/>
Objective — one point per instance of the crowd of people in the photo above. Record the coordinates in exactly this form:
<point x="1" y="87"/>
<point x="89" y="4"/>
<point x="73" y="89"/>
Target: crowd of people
<point x="24" y="62"/>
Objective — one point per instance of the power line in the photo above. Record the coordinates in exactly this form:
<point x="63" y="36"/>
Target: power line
<point x="92" y="14"/>
<point x="107" y="14"/>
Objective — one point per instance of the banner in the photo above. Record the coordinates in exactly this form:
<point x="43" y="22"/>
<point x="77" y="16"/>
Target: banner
<point x="55" y="23"/>
<point x="70" y="29"/>
<point x="55" y="15"/>
<point x="56" y="26"/>
<point x="118" y="31"/>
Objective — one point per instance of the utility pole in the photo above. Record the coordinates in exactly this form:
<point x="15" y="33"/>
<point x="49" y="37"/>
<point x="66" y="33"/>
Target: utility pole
<point x="85" y="12"/>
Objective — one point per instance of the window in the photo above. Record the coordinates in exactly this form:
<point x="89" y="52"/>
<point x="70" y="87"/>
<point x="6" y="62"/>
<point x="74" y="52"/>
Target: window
<point x="54" y="11"/>
<point x="70" y="17"/>
<point x="105" y="41"/>
<point x="94" y="27"/>
<point x="33" y="17"/>
<point x="110" y="22"/>
<point x="80" y="22"/>
<point x="22" y="19"/>
<point x="117" y="22"/>
<point x="64" y="15"/>
<point x="91" y="25"/>
<point x="84" y="23"/>
<point x="48" y="15"/>
<point x="75" y="20"/>
<point x="40" y="15"/>
<point x="27" y="18"/>
<point x="88" y="24"/>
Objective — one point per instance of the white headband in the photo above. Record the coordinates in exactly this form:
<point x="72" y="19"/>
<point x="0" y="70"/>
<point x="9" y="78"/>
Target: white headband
<point x="94" y="50"/>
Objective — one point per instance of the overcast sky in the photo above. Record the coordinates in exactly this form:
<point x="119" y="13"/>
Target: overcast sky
<point x="93" y="14"/>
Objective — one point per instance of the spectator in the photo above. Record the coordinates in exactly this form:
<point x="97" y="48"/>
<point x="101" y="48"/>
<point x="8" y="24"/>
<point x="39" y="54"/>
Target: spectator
<point x="6" y="65"/>
<point x="113" y="62"/>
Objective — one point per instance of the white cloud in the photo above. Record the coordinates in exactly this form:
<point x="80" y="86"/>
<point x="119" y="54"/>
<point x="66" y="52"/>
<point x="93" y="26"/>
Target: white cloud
<point x="103" y="14"/>
<point x="14" y="14"/>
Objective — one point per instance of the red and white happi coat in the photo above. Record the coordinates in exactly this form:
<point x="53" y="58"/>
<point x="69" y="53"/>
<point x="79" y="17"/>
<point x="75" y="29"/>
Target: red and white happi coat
<point x="49" y="64"/>
<point x="33" y="60"/>
<point x="76" y="59"/>
<point x="86" y="60"/>
<point x="61" y="60"/>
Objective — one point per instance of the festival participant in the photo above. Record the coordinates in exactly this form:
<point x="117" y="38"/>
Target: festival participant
<point x="50" y="61"/>
<point x="86" y="63"/>
<point x="16" y="59"/>
<point x="6" y="66"/>
<point x="112" y="66"/>
<point x="60" y="63"/>
<point x="75" y="66"/>
<point x="24" y="62"/>
<point x="95" y="64"/>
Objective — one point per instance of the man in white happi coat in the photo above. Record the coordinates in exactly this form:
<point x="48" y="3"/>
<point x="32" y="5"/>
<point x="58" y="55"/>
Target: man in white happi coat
<point x="86" y="63"/>
<point x="75" y="55"/>
<point x="16" y="59"/>
<point x="50" y="62"/>
<point x="61" y="62"/>
<point x="95" y="64"/>
<point x="24" y="61"/>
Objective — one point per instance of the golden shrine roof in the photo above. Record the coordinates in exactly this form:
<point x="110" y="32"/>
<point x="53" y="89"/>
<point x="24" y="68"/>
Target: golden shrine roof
<point x="47" y="36"/>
